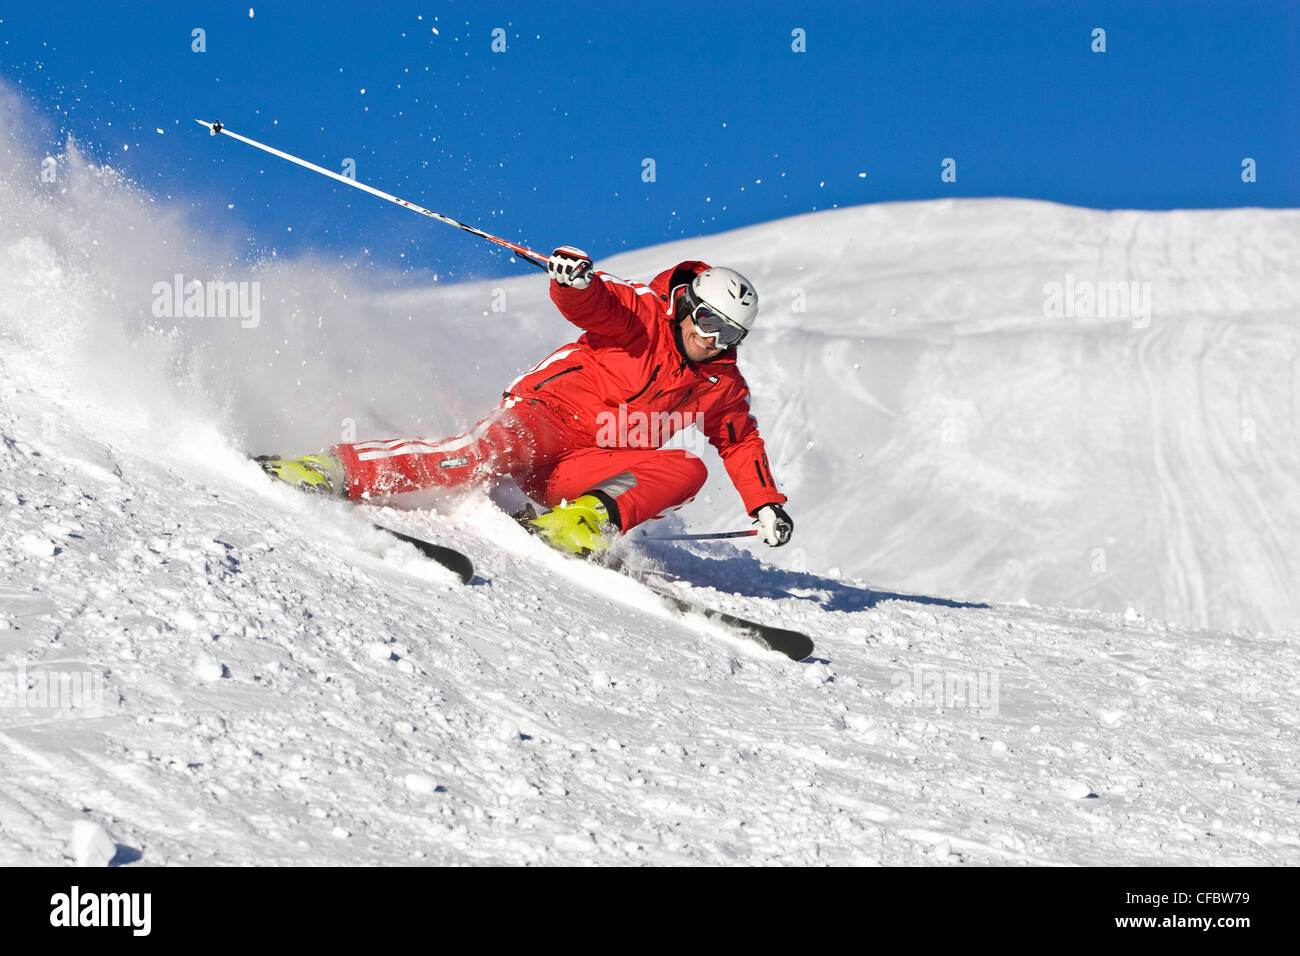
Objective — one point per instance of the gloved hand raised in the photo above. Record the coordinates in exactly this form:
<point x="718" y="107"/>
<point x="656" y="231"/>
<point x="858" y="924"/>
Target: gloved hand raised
<point x="774" y="525"/>
<point x="571" y="267"/>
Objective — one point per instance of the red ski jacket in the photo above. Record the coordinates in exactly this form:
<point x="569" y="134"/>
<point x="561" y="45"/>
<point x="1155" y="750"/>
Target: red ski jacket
<point x="629" y="356"/>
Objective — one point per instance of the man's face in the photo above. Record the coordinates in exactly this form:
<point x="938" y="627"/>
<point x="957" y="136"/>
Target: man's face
<point x="699" y="348"/>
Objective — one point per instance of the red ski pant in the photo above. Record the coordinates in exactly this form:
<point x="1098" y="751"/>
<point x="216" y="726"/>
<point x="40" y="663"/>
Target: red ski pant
<point x="550" y="462"/>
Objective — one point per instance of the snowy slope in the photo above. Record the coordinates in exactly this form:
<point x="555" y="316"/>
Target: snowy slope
<point x="260" y="678"/>
<point x="936" y="431"/>
<point x="281" y="685"/>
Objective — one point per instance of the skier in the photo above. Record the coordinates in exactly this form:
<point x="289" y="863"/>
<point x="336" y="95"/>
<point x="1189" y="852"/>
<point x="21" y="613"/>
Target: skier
<point x="659" y="357"/>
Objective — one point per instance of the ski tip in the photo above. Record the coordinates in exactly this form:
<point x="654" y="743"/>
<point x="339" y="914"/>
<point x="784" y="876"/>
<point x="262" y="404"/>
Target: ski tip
<point x="464" y="570"/>
<point x="454" y="561"/>
<point x="213" y="128"/>
<point x="798" y="647"/>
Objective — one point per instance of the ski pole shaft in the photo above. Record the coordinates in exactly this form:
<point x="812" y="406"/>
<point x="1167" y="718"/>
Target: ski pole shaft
<point x="701" y="537"/>
<point x="521" y="251"/>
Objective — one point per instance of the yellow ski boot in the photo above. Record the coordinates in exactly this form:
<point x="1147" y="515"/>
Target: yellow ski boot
<point x="321" y="473"/>
<point x="581" y="526"/>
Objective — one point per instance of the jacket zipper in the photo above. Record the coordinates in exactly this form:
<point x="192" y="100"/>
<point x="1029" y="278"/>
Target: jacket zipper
<point x="571" y="368"/>
<point x="646" y="386"/>
<point x="683" y="398"/>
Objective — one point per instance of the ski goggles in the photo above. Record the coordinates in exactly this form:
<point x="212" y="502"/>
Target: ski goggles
<point x="713" y="324"/>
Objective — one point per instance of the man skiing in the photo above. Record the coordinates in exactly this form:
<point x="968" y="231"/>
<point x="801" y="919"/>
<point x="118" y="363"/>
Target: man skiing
<point x="662" y="356"/>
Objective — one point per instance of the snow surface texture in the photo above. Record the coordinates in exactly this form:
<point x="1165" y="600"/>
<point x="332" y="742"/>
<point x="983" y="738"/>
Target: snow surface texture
<point x="200" y="667"/>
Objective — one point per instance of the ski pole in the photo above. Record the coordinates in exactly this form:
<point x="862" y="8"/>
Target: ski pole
<point x="528" y="255"/>
<point x="701" y="537"/>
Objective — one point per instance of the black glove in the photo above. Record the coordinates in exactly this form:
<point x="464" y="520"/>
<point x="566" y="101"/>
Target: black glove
<point x="774" y="525"/>
<point x="570" y="266"/>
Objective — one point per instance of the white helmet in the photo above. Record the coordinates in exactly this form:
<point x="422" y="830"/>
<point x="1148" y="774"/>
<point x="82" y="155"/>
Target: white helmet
<point x="725" y="293"/>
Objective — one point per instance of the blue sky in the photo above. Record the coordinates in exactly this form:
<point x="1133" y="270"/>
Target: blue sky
<point x="546" y="142"/>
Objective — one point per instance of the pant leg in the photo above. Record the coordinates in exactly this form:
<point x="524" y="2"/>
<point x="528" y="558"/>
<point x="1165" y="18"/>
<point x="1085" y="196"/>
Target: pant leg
<point x="643" y="483"/>
<point x="516" y="438"/>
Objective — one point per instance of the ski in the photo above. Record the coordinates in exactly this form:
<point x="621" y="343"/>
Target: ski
<point x="455" y="561"/>
<point x="793" y="644"/>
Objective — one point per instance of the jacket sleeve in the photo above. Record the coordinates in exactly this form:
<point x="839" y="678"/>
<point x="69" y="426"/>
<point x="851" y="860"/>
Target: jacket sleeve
<point x="733" y="431"/>
<point x="606" y="308"/>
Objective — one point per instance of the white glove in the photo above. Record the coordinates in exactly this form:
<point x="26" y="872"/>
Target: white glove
<point x="774" y="525"/>
<point x="570" y="266"/>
